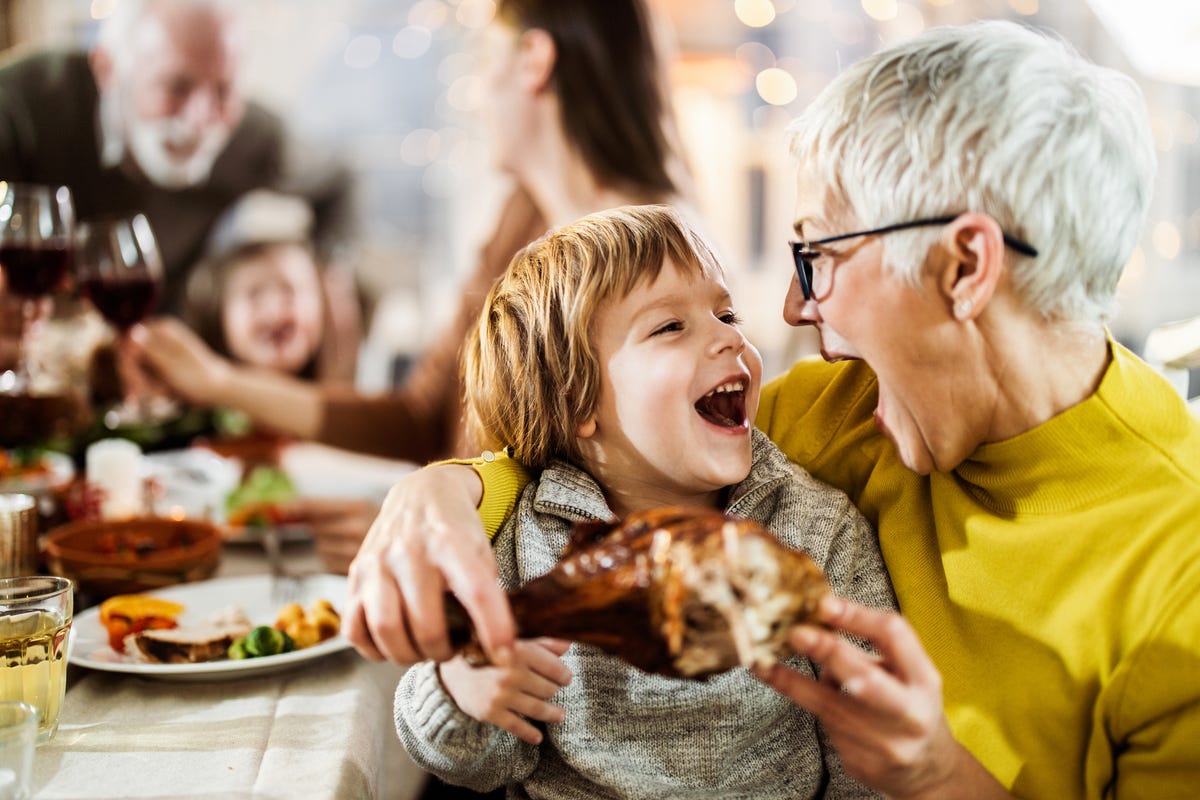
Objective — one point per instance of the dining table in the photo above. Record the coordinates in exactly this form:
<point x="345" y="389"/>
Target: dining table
<point x="320" y="729"/>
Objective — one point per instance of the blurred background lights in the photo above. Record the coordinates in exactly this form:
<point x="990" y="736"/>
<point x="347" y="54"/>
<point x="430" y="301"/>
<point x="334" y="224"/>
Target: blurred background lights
<point x="1135" y="271"/>
<point x="412" y="41"/>
<point x="420" y="147"/>
<point x="882" y="10"/>
<point x="431" y="14"/>
<point x="755" y="55"/>
<point x="363" y="51"/>
<point x="1167" y="240"/>
<point x="455" y="66"/>
<point x="775" y="86"/>
<point x="909" y="21"/>
<point x="755" y="13"/>
<point x="466" y="93"/>
<point x="475" y="14"/>
<point x="101" y="9"/>
<point x="1025" y="7"/>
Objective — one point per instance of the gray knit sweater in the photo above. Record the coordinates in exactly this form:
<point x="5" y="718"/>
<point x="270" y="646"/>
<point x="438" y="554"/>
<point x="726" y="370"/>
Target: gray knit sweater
<point x="632" y="735"/>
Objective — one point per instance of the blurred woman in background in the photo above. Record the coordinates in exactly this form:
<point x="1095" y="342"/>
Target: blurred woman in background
<point x="578" y="111"/>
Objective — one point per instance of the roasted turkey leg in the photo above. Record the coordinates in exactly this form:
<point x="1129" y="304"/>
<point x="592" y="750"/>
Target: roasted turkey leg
<point x="682" y="592"/>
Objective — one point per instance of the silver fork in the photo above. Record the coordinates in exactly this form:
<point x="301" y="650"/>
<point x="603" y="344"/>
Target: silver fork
<point x="286" y="587"/>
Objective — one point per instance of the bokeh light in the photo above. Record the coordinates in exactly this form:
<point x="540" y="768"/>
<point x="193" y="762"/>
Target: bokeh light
<point x="882" y="10"/>
<point x="475" y="14"/>
<point x="102" y="9"/>
<point x="363" y="51"/>
<point x="775" y="86"/>
<point x="412" y="41"/>
<point x="1026" y="7"/>
<point x="755" y="55"/>
<point x="430" y="14"/>
<point x="755" y="13"/>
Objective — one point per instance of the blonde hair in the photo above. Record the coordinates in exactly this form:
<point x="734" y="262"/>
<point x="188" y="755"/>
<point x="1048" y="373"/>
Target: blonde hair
<point x="530" y="368"/>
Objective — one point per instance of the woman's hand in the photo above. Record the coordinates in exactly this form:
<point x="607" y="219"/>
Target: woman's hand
<point x="508" y="697"/>
<point x="426" y="540"/>
<point x="180" y="358"/>
<point x="883" y="713"/>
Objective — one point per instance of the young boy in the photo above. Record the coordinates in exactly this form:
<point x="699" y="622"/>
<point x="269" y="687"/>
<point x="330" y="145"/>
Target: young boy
<point x="609" y="358"/>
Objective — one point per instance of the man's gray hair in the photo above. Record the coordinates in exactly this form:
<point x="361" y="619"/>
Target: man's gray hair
<point x="119" y="29"/>
<point x="996" y="118"/>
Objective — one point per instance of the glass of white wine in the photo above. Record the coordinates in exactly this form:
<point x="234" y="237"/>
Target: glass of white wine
<point x="35" y="620"/>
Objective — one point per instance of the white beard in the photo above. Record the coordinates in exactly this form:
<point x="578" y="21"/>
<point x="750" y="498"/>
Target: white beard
<point x="148" y="142"/>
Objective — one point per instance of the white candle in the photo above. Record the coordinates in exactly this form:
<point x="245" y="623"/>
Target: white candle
<point x="114" y="466"/>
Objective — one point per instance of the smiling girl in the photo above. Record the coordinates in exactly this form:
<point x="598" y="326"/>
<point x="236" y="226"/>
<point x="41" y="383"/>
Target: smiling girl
<point x="609" y="358"/>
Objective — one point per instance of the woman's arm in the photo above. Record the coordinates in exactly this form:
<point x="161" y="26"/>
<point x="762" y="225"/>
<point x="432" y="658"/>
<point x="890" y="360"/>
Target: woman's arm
<point x="883" y="713"/>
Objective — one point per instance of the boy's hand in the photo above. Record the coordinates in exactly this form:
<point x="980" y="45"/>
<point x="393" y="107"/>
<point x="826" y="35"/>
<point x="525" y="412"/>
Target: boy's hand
<point x="509" y="696"/>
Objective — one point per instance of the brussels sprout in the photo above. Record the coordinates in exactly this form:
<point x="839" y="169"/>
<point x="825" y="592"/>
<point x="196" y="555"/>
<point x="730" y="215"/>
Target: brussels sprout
<point x="237" y="650"/>
<point x="267" y="641"/>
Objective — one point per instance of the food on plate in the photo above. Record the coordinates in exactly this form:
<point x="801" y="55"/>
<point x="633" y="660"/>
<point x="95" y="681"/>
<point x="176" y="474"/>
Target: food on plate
<point x="262" y="641"/>
<point x="22" y="464"/>
<point x="188" y="645"/>
<point x="682" y="592"/>
<point x="260" y="498"/>
<point x="147" y="629"/>
<point x="124" y="614"/>
<point x="306" y="628"/>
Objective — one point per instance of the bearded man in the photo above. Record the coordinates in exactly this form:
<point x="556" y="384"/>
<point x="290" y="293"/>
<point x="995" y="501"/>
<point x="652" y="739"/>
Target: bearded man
<point x="154" y="120"/>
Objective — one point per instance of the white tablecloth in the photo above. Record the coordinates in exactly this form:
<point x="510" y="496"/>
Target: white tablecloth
<point x="323" y="730"/>
<point x="320" y="731"/>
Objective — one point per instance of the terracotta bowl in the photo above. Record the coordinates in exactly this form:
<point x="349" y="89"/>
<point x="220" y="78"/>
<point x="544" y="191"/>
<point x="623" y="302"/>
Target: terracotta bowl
<point x="106" y="558"/>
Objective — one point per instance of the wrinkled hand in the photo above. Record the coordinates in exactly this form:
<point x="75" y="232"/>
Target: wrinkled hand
<point x="426" y="540"/>
<point x="338" y="526"/>
<point x="509" y="696"/>
<point x="883" y="713"/>
<point x="180" y="358"/>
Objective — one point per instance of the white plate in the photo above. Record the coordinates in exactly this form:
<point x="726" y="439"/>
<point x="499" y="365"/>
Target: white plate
<point x="252" y="593"/>
<point x="61" y="472"/>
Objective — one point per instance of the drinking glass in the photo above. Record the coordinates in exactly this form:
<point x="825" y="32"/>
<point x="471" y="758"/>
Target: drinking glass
<point x="35" y="253"/>
<point x="120" y="271"/>
<point x="35" y="620"/>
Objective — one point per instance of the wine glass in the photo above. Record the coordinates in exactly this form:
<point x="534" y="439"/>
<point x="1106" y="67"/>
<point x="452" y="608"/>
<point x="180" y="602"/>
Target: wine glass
<point x="35" y="253"/>
<point x="120" y="271"/>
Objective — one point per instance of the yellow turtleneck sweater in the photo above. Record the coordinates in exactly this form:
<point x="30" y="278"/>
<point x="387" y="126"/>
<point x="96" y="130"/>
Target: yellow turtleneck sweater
<point x="1054" y="578"/>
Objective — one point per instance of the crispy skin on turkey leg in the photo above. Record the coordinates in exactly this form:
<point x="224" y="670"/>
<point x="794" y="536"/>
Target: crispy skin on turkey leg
<point x="681" y="592"/>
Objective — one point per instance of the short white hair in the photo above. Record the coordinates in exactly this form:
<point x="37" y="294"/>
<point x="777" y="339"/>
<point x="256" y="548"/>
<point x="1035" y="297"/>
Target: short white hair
<point x="119" y="29"/>
<point x="996" y="118"/>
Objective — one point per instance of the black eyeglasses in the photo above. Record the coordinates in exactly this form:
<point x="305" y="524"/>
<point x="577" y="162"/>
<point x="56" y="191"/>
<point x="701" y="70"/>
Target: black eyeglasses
<point x="803" y="254"/>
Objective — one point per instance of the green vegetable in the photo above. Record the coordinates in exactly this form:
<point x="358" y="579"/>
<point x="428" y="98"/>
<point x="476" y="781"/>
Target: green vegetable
<point x="262" y="641"/>
<point x="263" y="487"/>
<point x="237" y="650"/>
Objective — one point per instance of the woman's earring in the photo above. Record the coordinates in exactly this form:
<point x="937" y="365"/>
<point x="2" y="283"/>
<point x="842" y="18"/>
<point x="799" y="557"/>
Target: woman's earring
<point x="962" y="308"/>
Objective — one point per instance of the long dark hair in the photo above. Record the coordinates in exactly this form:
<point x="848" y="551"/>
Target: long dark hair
<point x="609" y="85"/>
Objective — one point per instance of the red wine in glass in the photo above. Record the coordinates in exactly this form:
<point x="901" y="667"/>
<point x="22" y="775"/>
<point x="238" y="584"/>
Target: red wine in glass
<point x="32" y="271"/>
<point x="35" y="240"/>
<point x="123" y="302"/>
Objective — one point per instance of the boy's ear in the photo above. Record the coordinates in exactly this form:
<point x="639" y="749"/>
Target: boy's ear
<point x="587" y="428"/>
<point x="538" y="56"/>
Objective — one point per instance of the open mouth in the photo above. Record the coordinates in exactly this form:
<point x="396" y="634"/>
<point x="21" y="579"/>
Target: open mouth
<point x="725" y="405"/>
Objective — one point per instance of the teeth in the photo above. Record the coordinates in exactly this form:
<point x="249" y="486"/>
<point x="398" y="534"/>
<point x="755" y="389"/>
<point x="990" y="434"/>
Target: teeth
<point x="734" y="386"/>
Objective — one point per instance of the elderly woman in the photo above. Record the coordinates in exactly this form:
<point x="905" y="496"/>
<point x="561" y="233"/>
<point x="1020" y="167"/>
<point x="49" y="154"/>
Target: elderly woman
<point x="967" y="201"/>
